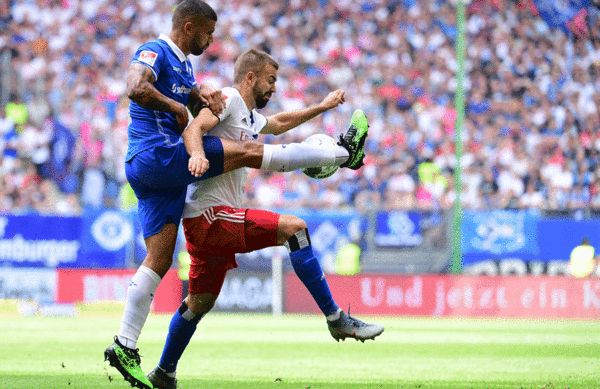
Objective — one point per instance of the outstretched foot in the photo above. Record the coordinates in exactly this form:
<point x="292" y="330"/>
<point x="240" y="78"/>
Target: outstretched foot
<point x="127" y="362"/>
<point x="354" y="140"/>
<point x="350" y="327"/>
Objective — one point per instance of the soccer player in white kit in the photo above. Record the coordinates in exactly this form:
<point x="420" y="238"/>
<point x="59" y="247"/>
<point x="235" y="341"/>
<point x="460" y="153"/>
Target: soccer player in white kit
<point x="216" y="227"/>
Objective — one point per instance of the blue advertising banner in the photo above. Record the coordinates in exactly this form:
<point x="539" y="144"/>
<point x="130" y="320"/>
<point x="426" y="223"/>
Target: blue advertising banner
<point x="558" y="237"/>
<point x="39" y="241"/>
<point x="499" y="233"/>
<point x="398" y="228"/>
<point x="106" y="239"/>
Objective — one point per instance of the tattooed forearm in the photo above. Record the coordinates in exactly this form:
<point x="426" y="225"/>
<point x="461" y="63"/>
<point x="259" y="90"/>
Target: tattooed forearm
<point x="141" y="90"/>
<point x="194" y="101"/>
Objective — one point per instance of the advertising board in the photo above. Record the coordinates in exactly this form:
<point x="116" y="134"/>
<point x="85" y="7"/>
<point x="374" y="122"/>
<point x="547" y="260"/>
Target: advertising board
<point x="524" y="297"/>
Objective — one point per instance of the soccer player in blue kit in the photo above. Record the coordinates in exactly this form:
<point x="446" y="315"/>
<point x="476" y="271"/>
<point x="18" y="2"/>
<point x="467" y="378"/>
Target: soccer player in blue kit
<point x="165" y="155"/>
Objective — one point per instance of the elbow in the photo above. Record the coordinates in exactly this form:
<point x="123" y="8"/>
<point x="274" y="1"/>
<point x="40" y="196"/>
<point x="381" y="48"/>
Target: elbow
<point x="133" y="92"/>
<point x="204" y="128"/>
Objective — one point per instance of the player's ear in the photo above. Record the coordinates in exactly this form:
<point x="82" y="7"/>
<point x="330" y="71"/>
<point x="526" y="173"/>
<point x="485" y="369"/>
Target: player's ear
<point x="250" y="77"/>
<point x="188" y="28"/>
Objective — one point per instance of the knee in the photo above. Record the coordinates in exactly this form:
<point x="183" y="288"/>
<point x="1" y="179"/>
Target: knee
<point x="291" y="225"/>
<point x="159" y="264"/>
<point x="200" y="303"/>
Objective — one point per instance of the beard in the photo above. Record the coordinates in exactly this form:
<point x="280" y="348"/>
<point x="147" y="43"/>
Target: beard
<point x="198" y="50"/>
<point x="261" y="102"/>
<point x="261" y="99"/>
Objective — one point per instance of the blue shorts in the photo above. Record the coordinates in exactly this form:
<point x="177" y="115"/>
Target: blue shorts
<point x="159" y="177"/>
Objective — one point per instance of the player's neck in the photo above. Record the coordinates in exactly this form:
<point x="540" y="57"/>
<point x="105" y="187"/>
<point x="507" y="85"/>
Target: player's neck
<point x="177" y="38"/>
<point x="247" y="96"/>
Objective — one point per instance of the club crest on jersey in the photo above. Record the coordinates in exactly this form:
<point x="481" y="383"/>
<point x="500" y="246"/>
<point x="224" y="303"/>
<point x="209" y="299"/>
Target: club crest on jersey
<point x="148" y="57"/>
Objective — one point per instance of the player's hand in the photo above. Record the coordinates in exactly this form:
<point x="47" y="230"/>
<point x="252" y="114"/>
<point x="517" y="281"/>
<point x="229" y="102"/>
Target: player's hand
<point x="213" y="98"/>
<point x="182" y="117"/>
<point x="198" y="164"/>
<point x="333" y="99"/>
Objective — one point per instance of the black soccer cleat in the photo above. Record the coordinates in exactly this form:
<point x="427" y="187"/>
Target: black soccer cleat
<point x="160" y="380"/>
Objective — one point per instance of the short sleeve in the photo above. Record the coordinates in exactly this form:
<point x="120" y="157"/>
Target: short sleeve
<point x="231" y="102"/>
<point x="151" y="56"/>
<point x="261" y="121"/>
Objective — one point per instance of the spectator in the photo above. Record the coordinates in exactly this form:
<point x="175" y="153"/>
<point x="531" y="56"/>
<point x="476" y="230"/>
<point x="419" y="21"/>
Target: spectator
<point x="16" y="110"/>
<point x="529" y="117"/>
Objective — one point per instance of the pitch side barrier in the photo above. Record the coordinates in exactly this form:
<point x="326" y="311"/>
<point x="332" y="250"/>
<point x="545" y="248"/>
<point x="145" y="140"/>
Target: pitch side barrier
<point x="102" y="248"/>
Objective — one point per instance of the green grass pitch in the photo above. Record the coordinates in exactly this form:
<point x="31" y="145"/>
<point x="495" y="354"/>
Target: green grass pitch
<point x="297" y="352"/>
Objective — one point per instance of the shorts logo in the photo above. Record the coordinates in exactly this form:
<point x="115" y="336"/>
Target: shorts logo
<point x="148" y="57"/>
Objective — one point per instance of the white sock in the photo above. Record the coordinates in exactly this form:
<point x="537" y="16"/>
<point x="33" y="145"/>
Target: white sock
<point x="137" y="306"/>
<point x="294" y="156"/>
<point x="334" y="316"/>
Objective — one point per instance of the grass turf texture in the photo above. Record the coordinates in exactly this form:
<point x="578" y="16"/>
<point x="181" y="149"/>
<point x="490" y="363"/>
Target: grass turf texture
<point x="248" y="351"/>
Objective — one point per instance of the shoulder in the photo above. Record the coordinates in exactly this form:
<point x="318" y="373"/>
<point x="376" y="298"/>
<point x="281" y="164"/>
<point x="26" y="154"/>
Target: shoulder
<point x="150" y="52"/>
<point x="154" y="45"/>
<point x="233" y="100"/>
<point x="231" y="95"/>
<point x="261" y="120"/>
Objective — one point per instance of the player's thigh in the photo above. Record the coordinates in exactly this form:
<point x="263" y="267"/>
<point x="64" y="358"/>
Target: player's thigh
<point x="219" y="231"/>
<point x="207" y="274"/>
<point x="239" y="153"/>
<point x="157" y="208"/>
<point x="162" y="167"/>
<point x="261" y="229"/>
<point x="288" y="225"/>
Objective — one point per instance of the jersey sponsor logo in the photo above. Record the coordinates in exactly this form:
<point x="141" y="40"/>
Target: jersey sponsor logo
<point x="148" y="57"/>
<point x="245" y="136"/>
<point x="178" y="70"/>
<point x="181" y="89"/>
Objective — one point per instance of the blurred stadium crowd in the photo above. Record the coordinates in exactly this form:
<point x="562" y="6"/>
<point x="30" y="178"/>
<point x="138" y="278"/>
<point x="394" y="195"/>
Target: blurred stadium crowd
<point x="531" y="134"/>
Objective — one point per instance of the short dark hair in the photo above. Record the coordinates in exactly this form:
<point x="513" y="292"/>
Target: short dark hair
<point x="190" y="10"/>
<point x="252" y="61"/>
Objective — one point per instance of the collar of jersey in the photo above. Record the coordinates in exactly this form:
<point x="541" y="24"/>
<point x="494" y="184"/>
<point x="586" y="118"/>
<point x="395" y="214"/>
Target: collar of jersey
<point x="173" y="47"/>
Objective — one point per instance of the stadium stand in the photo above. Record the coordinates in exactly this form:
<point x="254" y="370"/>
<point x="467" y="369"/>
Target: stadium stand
<point x="531" y="135"/>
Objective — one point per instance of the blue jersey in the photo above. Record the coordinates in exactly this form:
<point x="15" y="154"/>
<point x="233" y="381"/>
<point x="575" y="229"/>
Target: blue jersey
<point x="174" y="79"/>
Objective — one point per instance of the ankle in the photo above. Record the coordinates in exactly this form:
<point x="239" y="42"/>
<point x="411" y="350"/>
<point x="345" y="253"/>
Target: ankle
<point x="334" y="316"/>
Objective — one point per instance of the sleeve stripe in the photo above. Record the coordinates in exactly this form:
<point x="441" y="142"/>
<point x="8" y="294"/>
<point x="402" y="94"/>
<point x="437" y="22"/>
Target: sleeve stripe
<point x="148" y="66"/>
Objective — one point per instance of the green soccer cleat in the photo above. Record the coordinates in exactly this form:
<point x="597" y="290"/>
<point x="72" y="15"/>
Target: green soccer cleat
<point x="354" y="140"/>
<point x="160" y="380"/>
<point x="349" y="327"/>
<point x="127" y="362"/>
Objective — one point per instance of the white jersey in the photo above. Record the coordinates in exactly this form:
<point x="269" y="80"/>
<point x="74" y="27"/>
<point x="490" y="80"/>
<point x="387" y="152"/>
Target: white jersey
<point x="236" y="122"/>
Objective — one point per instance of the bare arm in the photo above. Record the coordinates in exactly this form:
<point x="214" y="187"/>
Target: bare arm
<point x="141" y="91"/>
<point x="285" y="121"/>
<point x="192" y="139"/>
